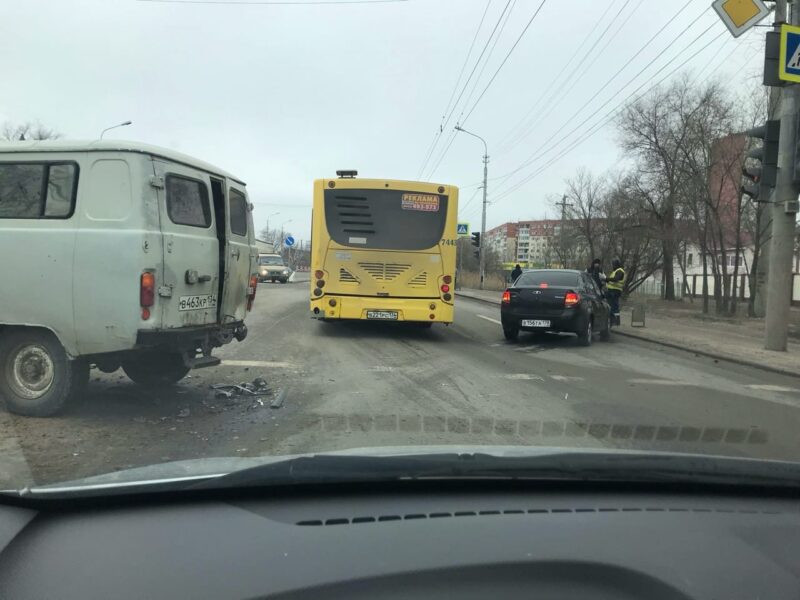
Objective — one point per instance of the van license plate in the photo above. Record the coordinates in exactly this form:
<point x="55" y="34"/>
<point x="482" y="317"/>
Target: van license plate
<point x="197" y="302"/>
<point x="386" y="315"/>
<point x="535" y="323"/>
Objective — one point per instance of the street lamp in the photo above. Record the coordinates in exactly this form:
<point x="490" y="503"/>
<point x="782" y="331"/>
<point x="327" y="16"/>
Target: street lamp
<point x="481" y="255"/>
<point x="268" y="218"/>
<point x="124" y="124"/>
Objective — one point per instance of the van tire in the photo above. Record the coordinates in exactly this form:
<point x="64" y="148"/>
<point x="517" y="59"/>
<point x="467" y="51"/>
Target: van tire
<point x="151" y="368"/>
<point x="43" y="386"/>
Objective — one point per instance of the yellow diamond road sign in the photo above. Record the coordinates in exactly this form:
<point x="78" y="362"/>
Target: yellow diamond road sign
<point x="740" y="15"/>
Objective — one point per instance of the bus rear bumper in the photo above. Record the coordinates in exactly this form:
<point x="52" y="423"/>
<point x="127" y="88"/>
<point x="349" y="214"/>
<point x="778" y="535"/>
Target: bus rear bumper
<point x="357" y="308"/>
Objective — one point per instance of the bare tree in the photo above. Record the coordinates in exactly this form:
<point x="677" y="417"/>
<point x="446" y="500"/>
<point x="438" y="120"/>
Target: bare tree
<point x="27" y="131"/>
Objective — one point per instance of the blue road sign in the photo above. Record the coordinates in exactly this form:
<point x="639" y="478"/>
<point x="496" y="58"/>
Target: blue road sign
<point x="289" y="241"/>
<point x="462" y="229"/>
<point x="789" y="64"/>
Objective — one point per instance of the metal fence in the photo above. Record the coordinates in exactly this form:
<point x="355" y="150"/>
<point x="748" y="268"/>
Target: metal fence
<point x="693" y="287"/>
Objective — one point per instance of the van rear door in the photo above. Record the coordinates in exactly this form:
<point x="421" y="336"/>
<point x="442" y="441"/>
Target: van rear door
<point x="188" y="287"/>
<point x="240" y="253"/>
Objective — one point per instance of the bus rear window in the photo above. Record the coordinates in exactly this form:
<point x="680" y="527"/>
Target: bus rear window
<point x="547" y="279"/>
<point x="385" y="219"/>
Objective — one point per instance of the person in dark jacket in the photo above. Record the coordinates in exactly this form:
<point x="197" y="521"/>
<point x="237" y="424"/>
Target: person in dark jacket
<point x="595" y="270"/>
<point x="516" y="273"/>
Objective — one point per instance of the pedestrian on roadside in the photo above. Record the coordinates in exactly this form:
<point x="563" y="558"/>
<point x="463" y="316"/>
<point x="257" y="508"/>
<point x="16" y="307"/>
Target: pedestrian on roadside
<point x="516" y="273"/>
<point x="615" y="283"/>
<point x="595" y="270"/>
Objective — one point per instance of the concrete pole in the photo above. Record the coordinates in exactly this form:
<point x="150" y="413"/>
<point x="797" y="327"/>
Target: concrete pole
<point x="783" y="223"/>
<point x="762" y="268"/>
<point x="483" y="216"/>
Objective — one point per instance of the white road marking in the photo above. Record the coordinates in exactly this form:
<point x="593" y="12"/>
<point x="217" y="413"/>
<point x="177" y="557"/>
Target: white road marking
<point x="490" y="319"/>
<point x="659" y="382"/>
<point x="522" y="376"/>
<point x="381" y="369"/>
<point x="566" y="378"/>
<point x="267" y="364"/>
<point x="771" y="388"/>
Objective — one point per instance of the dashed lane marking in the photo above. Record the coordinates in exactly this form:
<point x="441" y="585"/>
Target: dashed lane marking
<point x="659" y="382"/>
<point x="267" y="364"/>
<point x="566" y="378"/>
<point x="772" y="388"/>
<point x="522" y="377"/>
<point x="490" y="319"/>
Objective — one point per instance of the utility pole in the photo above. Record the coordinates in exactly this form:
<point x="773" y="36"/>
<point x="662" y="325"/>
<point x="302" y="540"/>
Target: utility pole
<point x="482" y="254"/>
<point x="784" y="210"/>
<point x="762" y="268"/>
<point x="563" y="204"/>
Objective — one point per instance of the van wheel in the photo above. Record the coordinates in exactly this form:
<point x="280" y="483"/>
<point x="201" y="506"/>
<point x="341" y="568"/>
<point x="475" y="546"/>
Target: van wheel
<point x="37" y="378"/>
<point x="153" y="368"/>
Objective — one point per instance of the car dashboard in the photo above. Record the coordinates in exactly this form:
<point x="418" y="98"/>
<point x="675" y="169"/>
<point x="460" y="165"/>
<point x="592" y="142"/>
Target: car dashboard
<point x="405" y="543"/>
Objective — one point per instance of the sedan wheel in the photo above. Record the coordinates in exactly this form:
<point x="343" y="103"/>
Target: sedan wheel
<point x="585" y="336"/>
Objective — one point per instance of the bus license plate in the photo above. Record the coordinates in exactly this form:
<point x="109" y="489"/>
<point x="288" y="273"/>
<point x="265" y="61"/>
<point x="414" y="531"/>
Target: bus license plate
<point x="197" y="302"/>
<point x="535" y="323"/>
<point x="386" y="315"/>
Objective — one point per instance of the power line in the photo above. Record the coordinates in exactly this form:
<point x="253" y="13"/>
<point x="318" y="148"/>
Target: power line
<point x="275" y="2"/>
<point x="551" y="97"/>
<point x="609" y="116"/>
<point x="538" y="152"/>
<point x="562" y="72"/>
<point x="466" y="83"/>
<point x="488" y="85"/>
<point x="623" y="67"/>
<point x="438" y="134"/>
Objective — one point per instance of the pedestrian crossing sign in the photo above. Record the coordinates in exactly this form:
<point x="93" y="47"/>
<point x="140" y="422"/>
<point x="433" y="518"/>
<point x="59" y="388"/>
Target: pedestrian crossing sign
<point x="789" y="64"/>
<point x="462" y="229"/>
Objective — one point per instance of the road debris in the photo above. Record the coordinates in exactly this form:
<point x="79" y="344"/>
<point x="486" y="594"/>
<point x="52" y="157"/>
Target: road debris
<point x="184" y="413"/>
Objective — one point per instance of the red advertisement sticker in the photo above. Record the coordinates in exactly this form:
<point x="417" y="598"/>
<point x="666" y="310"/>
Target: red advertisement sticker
<point x="423" y="202"/>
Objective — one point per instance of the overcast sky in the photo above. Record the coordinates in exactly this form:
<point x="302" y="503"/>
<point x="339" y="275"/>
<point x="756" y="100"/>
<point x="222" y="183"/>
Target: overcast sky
<point x="281" y="95"/>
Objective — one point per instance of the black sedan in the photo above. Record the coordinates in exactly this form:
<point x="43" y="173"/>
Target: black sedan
<point x="555" y="300"/>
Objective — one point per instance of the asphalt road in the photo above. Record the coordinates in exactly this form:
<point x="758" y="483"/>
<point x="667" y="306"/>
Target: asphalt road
<point x="345" y="385"/>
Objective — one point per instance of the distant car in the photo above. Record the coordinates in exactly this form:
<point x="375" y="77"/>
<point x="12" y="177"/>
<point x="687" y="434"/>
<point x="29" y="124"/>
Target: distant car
<point x="271" y="268"/>
<point x="555" y="300"/>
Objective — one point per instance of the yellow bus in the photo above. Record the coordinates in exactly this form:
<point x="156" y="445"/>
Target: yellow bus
<point x="383" y="249"/>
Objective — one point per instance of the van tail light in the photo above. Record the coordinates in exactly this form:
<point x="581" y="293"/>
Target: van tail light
<point x="147" y="289"/>
<point x="251" y="292"/>
<point x="571" y="299"/>
<point x="506" y="297"/>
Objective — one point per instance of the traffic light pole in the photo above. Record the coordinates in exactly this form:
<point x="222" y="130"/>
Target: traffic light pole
<point x="787" y="191"/>
<point x="482" y="254"/>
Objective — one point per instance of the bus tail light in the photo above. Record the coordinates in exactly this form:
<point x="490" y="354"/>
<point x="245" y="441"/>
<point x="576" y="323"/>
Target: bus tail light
<point x="445" y="288"/>
<point x="318" y="274"/>
<point x="251" y="292"/>
<point x="571" y="299"/>
<point x="447" y="279"/>
<point x="506" y="297"/>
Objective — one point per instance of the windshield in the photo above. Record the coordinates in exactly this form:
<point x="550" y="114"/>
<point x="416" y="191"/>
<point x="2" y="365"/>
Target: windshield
<point x="251" y="230"/>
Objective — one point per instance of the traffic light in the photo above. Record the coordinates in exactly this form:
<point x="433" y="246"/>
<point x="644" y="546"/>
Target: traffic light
<point x="476" y="239"/>
<point x="760" y="179"/>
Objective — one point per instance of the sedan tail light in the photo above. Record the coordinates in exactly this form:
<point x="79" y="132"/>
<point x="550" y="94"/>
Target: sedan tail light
<point x="506" y="297"/>
<point x="571" y="299"/>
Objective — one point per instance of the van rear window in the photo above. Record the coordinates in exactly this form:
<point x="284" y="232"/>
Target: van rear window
<point x="37" y="190"/>
<point x="187" y="201"/>
<point x="238" y="210"/>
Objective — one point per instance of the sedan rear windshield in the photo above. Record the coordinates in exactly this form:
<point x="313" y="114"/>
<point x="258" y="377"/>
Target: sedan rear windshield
<point x="547" y="278"/>
<point x="270" y="260"/>
<point x="385" y="219"/>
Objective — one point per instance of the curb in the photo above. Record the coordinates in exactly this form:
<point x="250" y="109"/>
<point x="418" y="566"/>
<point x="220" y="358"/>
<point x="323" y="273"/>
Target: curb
<point x="738" y="361"/>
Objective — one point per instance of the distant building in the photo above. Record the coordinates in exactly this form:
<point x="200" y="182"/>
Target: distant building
<point x="529" y="243"/>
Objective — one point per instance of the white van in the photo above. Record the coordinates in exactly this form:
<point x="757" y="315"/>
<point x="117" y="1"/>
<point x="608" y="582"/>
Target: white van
<point x="116" y="254"/>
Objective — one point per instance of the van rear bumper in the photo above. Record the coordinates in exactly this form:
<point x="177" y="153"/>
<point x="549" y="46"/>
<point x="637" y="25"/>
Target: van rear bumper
<point x="200" y="337"/>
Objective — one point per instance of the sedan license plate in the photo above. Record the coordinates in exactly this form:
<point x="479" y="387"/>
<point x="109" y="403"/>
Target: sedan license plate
<point x="535" y="323"/>
<point x="385" y="315"/>
<point x="197" y="302"/>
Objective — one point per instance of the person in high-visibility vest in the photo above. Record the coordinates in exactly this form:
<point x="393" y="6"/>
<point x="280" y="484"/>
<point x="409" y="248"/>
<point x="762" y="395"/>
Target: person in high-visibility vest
<point x="615" y="283"/>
